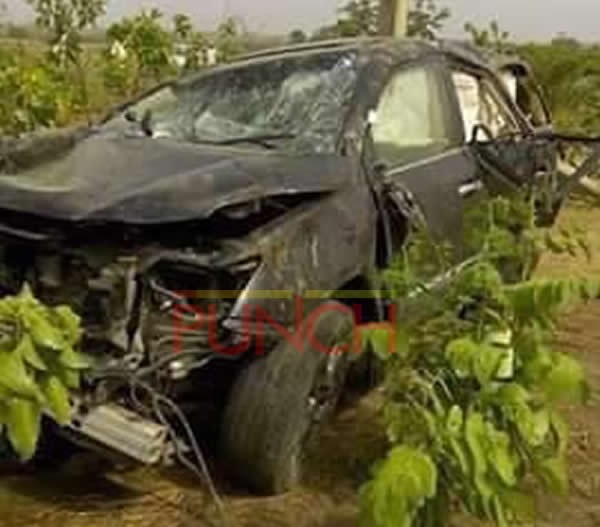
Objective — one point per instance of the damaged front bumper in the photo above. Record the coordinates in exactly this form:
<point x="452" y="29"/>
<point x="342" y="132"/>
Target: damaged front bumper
<point x="118" y="429"/>
<point x="142" y="327"/>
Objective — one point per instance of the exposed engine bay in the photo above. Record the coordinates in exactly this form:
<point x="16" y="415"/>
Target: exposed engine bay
<point x="144" y="299"/>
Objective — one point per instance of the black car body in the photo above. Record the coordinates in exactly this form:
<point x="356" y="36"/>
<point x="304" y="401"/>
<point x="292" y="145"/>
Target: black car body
<point x="290" y="173"/>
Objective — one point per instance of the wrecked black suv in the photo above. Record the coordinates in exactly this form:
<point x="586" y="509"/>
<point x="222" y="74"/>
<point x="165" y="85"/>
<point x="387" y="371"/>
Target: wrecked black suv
<point x="290" y="174"/>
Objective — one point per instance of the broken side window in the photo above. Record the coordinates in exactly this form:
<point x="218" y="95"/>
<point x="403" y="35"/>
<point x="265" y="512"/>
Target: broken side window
<point x="482" y="104"/>
<point x="526" y="94"/>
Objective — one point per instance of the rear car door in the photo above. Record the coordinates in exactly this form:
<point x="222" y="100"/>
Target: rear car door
<point x="418" y="140"/>
<point x="511" y="150"/>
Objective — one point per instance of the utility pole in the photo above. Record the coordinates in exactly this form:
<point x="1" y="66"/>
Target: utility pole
<point x="393" y="18"/>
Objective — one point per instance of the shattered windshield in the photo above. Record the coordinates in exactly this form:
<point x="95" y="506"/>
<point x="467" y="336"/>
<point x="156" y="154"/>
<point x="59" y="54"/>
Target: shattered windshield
<point x="296" y="103"/>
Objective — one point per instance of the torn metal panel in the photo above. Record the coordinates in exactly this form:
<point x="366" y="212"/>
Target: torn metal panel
<point x="322" y="245"/>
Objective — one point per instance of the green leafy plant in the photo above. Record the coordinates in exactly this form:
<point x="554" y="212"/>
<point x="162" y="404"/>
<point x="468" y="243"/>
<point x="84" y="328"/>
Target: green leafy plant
<point x="569" y="75"/>
<point x="39" y="364"/>
<point x="193" y="41"/>
<point x="474" y="388"/>
<point x="358" y="17"/>
<point x="491" y="37"/>
<point x="426" y="19"/>
<point x="33" y="93"/>
<point x="65" y="21"/>
<point x="228" y="39"/>
<point x="149" y="47"/>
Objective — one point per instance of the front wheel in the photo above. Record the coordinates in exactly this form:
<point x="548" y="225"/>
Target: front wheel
<point x="280" y="401"/>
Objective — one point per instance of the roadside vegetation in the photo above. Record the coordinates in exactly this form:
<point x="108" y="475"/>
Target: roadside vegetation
<point x="65" y="69"/>
<point x="473" y="383"/>
<point x="40" y="362"/>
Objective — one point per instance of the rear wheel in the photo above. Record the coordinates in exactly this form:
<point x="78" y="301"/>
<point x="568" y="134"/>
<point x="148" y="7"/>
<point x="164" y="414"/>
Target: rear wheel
<point x="279" y="402"/>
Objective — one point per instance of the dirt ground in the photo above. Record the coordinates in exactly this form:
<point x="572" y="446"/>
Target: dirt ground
<point x="84" y="493"/>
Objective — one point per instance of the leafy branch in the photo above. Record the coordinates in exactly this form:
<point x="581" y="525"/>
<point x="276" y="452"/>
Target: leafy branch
<point x="39" y="364"/>
<point x="474" y="388"/>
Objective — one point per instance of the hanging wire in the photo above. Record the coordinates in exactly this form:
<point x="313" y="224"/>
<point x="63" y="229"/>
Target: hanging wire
<point x="198" y="466"/>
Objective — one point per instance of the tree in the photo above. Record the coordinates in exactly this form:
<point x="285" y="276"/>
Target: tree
<point x="183" y="27"/>
<point x="148" y="42"/>
<point x="297" y="37"/>
<point x="326" y="32"/>
<point x="491" y="37"/>
<point x="426" y="19"/>
<point x="193" y="41"/>
<point x="368" y="17"/>
<point x="65" y="20"/>
<point x="17" y="31"/>
<point x="359" y="18"/>
<point x="229" y="41"/>
<point x="33" y="94"/>
<point x="40" y="364"/>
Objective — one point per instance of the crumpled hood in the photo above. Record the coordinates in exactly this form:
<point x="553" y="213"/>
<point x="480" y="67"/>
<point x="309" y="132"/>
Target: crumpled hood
<point x="143" y="180"/>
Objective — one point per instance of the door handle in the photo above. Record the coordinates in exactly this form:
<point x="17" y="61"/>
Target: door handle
<point x="467" y="189"/>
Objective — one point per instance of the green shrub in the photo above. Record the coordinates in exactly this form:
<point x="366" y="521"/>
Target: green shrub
<point x="39" y="363"/>
<point x="569" y="74"/>
<point x="473" y="390"/>
<point x="33" y="94"/>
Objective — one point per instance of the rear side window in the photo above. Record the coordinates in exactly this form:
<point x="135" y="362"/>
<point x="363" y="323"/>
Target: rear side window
<point x="413" y="117"/>
<point x="482" y="104"/>
<point x="526" y="94"/>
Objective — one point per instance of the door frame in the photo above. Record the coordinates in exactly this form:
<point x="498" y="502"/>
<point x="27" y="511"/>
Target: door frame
<point x="454" y="64"/>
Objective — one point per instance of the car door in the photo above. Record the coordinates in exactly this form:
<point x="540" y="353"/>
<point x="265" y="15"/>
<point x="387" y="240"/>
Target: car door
<point x="510" y="151"/>
<point x="418" y="140"/>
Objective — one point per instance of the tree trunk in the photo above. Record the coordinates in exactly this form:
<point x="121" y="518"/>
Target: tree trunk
<point x="393" y="18"/>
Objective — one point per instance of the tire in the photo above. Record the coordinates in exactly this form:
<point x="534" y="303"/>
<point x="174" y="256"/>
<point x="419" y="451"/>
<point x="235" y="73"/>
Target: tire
<point x="280" y="401"/>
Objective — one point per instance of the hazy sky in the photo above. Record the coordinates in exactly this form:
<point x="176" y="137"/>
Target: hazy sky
<point x="525" y="19"/>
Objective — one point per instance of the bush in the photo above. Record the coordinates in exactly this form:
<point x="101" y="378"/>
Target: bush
<point x="569" y="74"/>
<point x="33" y="94"/>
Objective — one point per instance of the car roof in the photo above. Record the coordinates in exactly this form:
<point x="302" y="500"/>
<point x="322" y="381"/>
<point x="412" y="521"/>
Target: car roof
<point x="372" y="48"/>
<point x="490" y="58"/>
<point x="406" y="47"/>
<point x="366" y="45"/>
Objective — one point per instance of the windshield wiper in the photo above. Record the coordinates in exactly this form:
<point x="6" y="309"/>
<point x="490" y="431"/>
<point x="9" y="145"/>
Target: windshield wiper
<point x="259" y="139"/>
